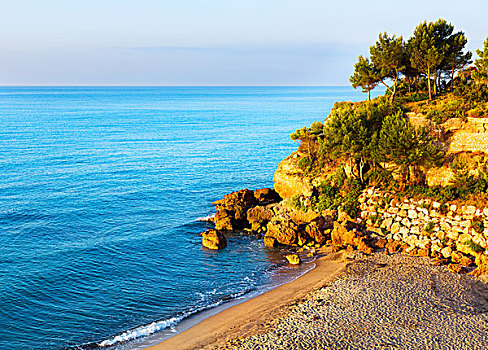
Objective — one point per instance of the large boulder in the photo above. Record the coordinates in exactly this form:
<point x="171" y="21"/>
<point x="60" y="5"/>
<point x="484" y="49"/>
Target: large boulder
<point x="232" y="210"/>
<point x="213" y="239"/>
<point x="243" y="198"/>
<point x="289" y="179"/>
<point x="482" y="265"/>
<point x="293" y="259"/>
<point x="259" y="216"/>
<point x="270" y="242"/>
<point x="224" y="220"/>
<point x="284" y="230"/>
<point x="315" y="230"/>
<point x="347" y="234"/>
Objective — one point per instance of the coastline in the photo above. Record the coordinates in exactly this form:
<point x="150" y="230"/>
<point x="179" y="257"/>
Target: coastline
<point x="248" y="318"/>
<point x="353" y="300"/>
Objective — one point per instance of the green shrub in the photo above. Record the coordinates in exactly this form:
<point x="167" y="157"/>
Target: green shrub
<point x="304" y="162"/>
<point x="478" y="226"/>
<point x="462" y="179"/>
<point x="379" y="177"/>
<point x="429" y="227"/>
<point x="474" y="247"/>
<point x="332" y="195"/>
<point x="297" y="203"/>
<point x="350" y="203"/>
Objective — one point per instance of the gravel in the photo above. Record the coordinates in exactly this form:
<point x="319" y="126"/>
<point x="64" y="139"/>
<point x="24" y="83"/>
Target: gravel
<point x="383" y="302"/>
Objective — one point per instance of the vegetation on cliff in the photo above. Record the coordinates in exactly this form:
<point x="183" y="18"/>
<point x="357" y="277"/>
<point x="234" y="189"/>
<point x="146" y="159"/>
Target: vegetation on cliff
<point x="405" y="172"/>
<point x="375" y="143"/>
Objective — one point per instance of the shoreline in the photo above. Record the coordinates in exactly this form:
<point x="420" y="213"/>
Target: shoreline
<point x="248" y="317"/>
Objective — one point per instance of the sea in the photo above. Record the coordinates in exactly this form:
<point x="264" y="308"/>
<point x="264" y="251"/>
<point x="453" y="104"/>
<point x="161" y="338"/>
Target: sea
<point x="103" y="196"/>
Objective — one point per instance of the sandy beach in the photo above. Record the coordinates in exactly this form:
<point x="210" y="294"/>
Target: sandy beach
<point x="251" y="317"/>
<point x="354" y="301"/>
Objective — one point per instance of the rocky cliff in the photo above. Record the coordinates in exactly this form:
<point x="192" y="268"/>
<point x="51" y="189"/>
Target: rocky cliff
<point x="289" y="179"/>
<point x="468" y="136"/>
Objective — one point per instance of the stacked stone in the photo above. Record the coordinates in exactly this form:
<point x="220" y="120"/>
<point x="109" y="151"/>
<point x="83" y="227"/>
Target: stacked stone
<point x="425" y="225"/>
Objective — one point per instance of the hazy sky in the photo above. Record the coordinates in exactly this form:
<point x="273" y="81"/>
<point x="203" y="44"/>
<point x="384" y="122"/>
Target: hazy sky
<point x="208" y="42"/>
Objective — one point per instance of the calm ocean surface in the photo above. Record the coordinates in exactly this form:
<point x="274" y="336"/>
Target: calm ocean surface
<point x="100" y="193"/>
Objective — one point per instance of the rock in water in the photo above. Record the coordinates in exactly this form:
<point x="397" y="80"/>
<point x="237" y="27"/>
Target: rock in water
<point x="223" y="220"/>
<point x="243" y="198"/>
<point x="293" y="259"/>
<point x="213" y="239"/>
<point x="259" y="216"/>
<point x="270" y="242"/>
<point x="232" y="209"/>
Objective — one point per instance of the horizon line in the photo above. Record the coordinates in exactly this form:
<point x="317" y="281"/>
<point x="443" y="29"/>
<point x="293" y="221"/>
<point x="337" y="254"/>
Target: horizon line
<point x="162" y="85"/>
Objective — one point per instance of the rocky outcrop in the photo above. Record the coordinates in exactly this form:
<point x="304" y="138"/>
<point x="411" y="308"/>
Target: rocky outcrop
<point x="289" y="179"/>
<point x="482" y="265"/>
<point x="456" y="136"/>
<point x="293" y="259"/>
<point x="347" y="234"/>
<point x="270" y="242"/>
<point x="265" y="196"/>
<point x="466" y="135"/>
<point x="232" y="210"/>
<point x="263" y="212"/>
<point x="283" y="230"/>
<point x="317" y="230"/>
<point x="224" y="220"/>
<point x="213" y="239"/>
<point x="259" y="216"/>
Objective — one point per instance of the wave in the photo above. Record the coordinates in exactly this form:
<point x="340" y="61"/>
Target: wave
<point x="208" y="218"/>
<point x="157" y="326"/>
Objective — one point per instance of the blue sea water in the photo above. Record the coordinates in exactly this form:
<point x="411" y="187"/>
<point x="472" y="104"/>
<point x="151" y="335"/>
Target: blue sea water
<point x="101" y="189"/>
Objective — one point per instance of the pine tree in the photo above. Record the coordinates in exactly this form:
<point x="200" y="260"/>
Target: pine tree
<point x="455" y="58"/>
<point x="407" y="147"/>
<point x="348" y="132"/>
<point x="424" y="53"/>
<point x="364" y="76"/>
<point x="481" y="64"/>
<point x="387" y="57"/>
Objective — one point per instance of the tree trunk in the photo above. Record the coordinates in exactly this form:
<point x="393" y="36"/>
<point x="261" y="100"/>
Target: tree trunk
<point x="452" y="78"/>
<point x="394" y="89"/>
<point x="435" y="83"/>
<point x="369" y="95"/>
<point x="361" y="167"/>
<point x="428" y="83"/>
<point x="388" y="88"/>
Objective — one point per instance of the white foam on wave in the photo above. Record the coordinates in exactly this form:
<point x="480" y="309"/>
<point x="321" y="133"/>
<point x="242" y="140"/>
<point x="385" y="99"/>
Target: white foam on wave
<point x="157" y="326"/>
<point x="142" y="331"/>
<point x="207" y="218"/>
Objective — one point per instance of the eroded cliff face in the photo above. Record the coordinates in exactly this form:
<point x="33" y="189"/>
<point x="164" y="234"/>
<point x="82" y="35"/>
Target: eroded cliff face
<point x="468" y="136"/>
<point x="289" y="179"/>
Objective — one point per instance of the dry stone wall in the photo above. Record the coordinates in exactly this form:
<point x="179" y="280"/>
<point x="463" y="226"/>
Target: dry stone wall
<point x="441" y="230"/>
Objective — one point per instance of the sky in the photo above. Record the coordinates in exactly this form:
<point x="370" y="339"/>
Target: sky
<point x="208" y="42"/>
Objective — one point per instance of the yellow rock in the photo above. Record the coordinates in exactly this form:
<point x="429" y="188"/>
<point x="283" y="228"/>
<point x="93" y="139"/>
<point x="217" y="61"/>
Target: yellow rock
<point x="293" y="259"/>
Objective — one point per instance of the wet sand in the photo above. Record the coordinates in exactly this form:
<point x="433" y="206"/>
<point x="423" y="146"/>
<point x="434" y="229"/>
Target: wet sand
<point x="355" y="301"/>
<point x="250" y="317"/>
